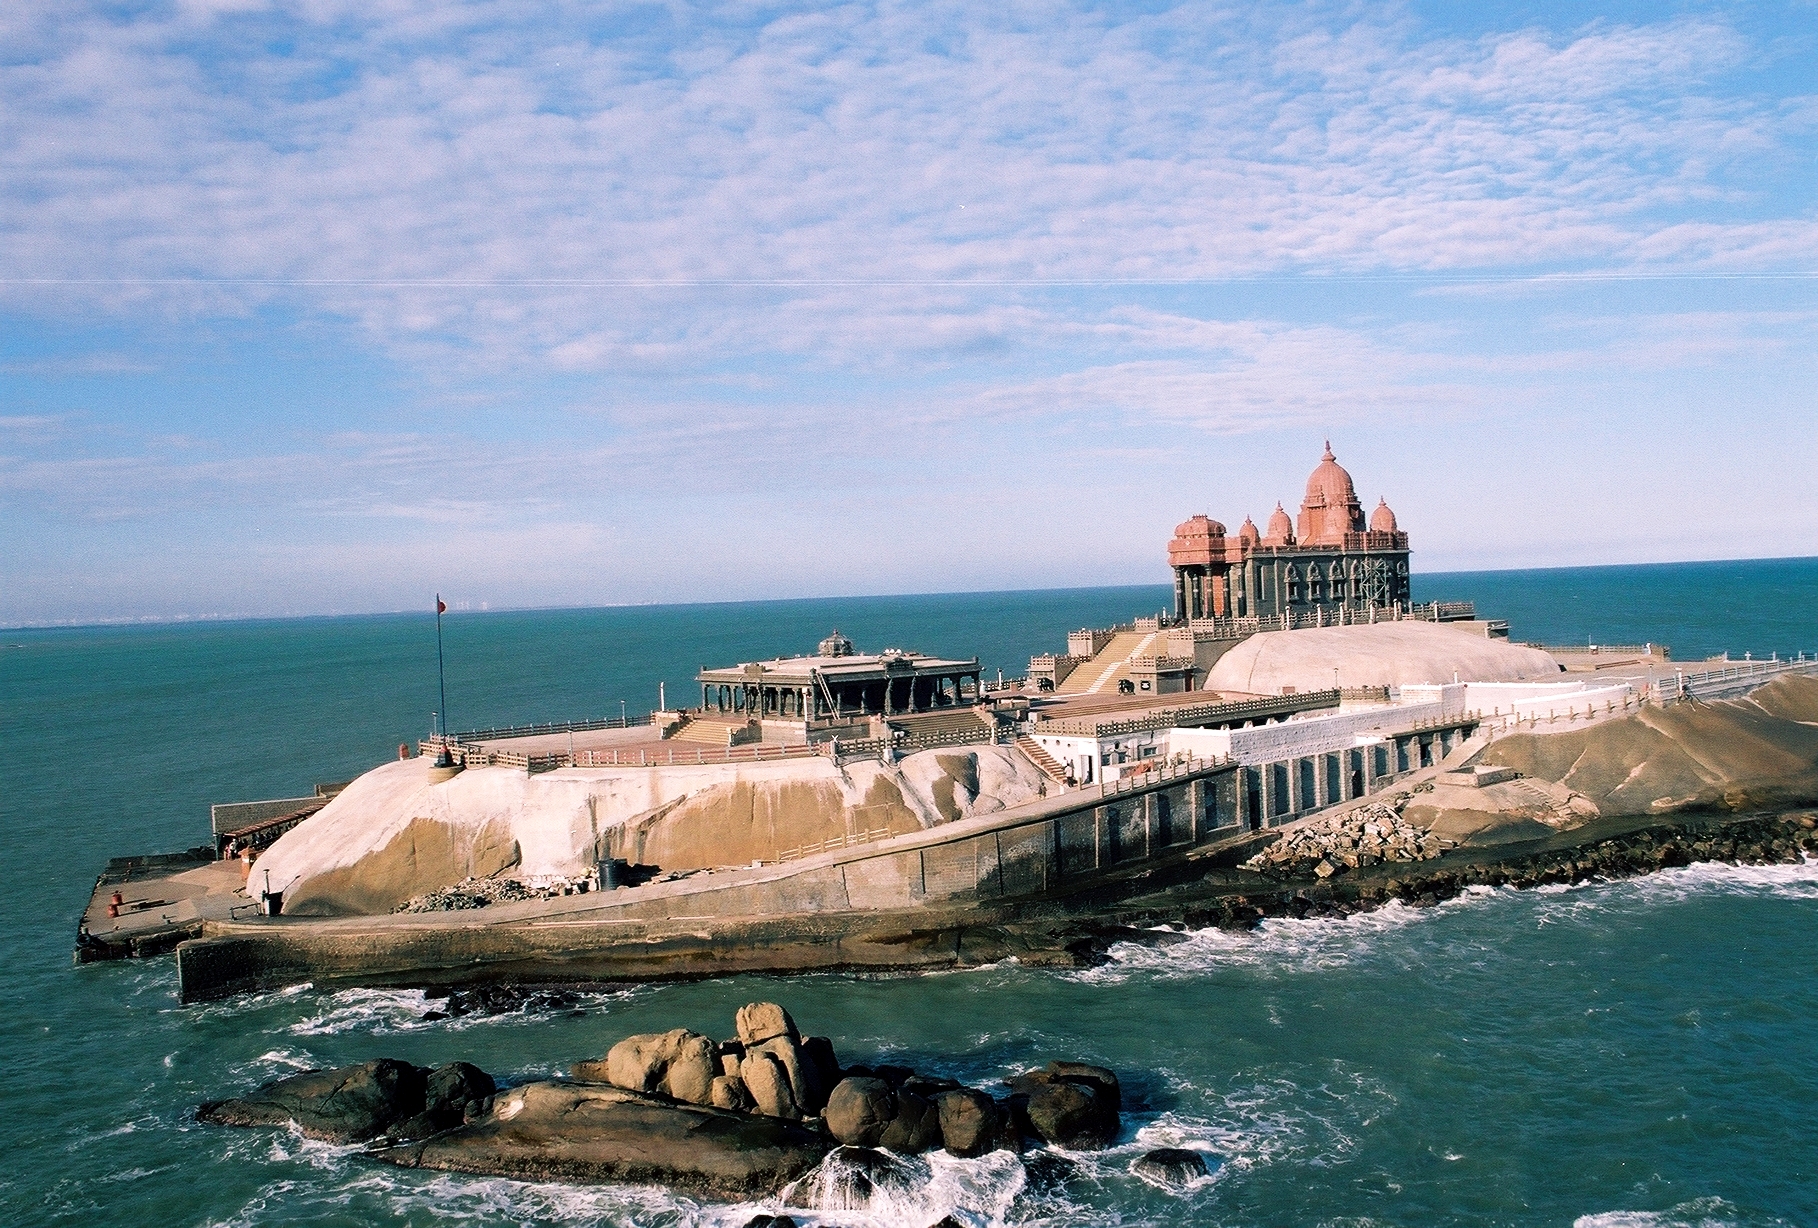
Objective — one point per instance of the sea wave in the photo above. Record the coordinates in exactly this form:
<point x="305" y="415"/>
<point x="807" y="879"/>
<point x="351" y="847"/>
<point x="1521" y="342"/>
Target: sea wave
<point x="384" y="1012"/>
<point x="1697" y="1213"/>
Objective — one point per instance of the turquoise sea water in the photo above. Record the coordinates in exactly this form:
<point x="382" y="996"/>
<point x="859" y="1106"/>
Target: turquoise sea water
<point x="1639" y="1053"/>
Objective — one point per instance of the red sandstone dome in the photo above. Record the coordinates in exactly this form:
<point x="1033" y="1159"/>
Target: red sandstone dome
<point x="1382" y="520"/>
<point x="1197" y="542"/>
<point x="1247" y="533"/>
<point x="1331" y="509"/>
<point x="1281" y="529"/>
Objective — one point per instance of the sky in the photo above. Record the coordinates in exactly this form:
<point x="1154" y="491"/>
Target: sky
<point x="323" y="307"/>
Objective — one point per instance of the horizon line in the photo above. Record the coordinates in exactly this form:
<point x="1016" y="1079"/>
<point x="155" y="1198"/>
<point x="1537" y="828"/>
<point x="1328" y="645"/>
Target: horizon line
<point x="154" y="620"/>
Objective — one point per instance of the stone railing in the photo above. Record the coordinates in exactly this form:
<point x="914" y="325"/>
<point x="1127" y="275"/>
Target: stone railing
<point x="1193" y="714"/>
<point x="1729" y="677"/>
<point x="1303" y="620"/>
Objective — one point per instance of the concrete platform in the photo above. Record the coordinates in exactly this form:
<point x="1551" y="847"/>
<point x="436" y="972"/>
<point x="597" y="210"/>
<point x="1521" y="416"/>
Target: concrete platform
<point x="166" y="898"/>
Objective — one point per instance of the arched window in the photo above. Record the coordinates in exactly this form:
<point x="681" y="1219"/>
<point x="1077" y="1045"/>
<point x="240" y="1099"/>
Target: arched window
<point x="1315" y="589"/>
<point x="1293" y="584"/>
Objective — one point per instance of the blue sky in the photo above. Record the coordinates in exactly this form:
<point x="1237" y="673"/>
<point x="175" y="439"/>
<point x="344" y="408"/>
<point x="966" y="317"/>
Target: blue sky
<point x="322" y="307"/>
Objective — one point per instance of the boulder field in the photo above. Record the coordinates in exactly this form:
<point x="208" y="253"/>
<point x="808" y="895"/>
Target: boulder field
<point x="738" y="1118"/>
<point x="394" y="835"/>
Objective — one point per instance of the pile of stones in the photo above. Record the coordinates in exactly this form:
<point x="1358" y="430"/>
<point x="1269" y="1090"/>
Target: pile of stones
<point x="470" y="893"/>
<point x="769" y="1068"/>
<point x="1365" y="836"/>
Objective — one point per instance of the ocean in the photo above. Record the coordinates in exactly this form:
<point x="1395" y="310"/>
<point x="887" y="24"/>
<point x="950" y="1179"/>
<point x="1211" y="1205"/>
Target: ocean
<point x="1637" y="1053"/>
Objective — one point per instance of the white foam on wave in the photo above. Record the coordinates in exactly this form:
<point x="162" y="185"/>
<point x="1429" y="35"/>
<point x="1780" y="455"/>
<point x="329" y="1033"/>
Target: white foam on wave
<point x="383" y="1012"/>
<point x="1698" y="1213"/>
<point x="922" y="1190"/>
<point x="1283" y="943"/>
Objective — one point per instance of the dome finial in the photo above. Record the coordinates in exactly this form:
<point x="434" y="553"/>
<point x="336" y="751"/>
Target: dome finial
<point x="1328" y="455"/>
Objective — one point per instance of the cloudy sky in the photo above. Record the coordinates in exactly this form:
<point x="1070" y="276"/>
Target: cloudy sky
<point x="324" y="306"/>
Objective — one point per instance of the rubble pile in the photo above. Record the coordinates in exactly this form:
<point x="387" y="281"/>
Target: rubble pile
<point x="471" y="893"/>
<point x="1364" y="836"/>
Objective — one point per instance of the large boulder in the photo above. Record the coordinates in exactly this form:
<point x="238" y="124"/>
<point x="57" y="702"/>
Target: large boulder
<point x="767" y="1082"/>
<point x="677" y="1063"/>
<point x="968" y="1120"/>
<point x="452" y="1094"/>
<point x="1070" y="1104"/>
<point x="859" y="1111"/>
<point x="560" y="1131"/>
<point x="915" y="1128"/>
<point x="349" y="1104"/>
<point x="766" y="1030"/>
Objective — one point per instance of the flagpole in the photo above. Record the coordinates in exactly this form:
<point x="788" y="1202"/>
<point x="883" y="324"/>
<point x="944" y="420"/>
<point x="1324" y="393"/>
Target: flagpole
<point x="442" y="758"/>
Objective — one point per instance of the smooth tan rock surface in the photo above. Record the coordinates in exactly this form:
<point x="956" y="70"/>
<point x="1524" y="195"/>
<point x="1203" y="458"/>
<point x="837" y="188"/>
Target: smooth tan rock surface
<point x="592" y="1133"/>
<point x="1380" y="654"/>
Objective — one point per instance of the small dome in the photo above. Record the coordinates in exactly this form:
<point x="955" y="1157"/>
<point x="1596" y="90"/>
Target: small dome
<point x="1382" y="520"/>
<point x="1247" y="533"/>
<point x="1199" y="526"/>
<point x="835" y="645"/>
<point x="1281" y="529"/>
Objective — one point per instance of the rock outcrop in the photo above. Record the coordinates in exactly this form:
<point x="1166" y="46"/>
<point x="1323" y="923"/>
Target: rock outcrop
<point x="1069" y="1104"/>
<point x="590" y="1132"/>
<point x="1171" y="1168"/>
<point x="396" y="839"/>
<point x="355" y="1104"/>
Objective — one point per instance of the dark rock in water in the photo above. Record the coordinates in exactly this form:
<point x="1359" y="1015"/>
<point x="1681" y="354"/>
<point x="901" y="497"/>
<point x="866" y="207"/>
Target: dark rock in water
<point x="949" y="1221"/>
<point x="595" y="1133"/>
<point x="770" y="1221"/>
<point x="895" y="1076"/>
<point x="1071" y="1104"/>
<point x="969" y="1121"/>
<point x="817" y="1053"/>
<point x="500" y="1000"/>
<point x="1174" y="1167"/>
<point x="452" y="1095"/>
<point x="915" y="1128"/>
<point x="928" y="1086"/>
<point x="850" y="1176"/>
<point x="1044" y="1172"/>
<point x="859" y="1111"/>
<point x="350" y="1104"/>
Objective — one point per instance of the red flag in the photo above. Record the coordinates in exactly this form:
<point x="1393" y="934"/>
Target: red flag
<point x="441" y="606"/>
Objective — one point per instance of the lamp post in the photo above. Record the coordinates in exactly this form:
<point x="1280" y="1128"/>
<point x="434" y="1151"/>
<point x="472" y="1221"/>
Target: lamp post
<point x="624" y="721"/>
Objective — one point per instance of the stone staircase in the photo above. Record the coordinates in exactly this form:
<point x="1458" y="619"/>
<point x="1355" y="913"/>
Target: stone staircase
<point x="948" y="727"/>
<point x="709" y="731"/>
<point x="1105" y="669"/>
<point x="1559" y="811"/>
<point x="1042" y="759"/>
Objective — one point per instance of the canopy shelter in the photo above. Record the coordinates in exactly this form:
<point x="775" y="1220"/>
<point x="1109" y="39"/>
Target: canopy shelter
<point x="840" y="683"/>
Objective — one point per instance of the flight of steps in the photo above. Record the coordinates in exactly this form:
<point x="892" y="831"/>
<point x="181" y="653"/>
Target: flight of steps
<point x="1042" y="759"/>
<point x="1561" y="811"/>
<point x="708" y="731"/>
<point x="965" y="723"/>
<point x="1103" y="670"/>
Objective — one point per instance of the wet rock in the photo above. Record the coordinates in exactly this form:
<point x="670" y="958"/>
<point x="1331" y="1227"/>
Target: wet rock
<point x="850" y="1176"/>
<point x="559" y="1131"/>
<point x="817" y="1052"/>
<point x="969" y="1121"/>
<point x="452" y="1095"/>
<point x="1070" y="1104"/>
<point x="770" y="1221"/>
<point x="1172" y="1167"/>
<point x="349" y="1104"/>
<point x="859" y="1111"/>
<point x="915" y="1128"/>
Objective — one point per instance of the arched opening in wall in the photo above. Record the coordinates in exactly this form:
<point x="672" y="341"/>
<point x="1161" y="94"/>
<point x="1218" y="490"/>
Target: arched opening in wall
<point x="1307" y="799"/>
<point x="1283" y="800"/>
<point x="1315" y="590"/>
<point x="1253" y="797"/>
<point x="1293" y="584"/>
<point x="1357" y="774"/>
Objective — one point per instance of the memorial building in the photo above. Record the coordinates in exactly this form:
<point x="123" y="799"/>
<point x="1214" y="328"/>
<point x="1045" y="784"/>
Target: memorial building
<point x="1329" y="561"/>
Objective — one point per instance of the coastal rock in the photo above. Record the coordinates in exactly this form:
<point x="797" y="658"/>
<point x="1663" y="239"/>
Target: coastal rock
<point x="768" y="1084"/>
<point x="1070" y="1104"/>
<point x="677" y="1063"/>
<point x="597" y="1133"/>
<point x="765" y="1029"/>
<point x="1171" y="1167"/>
<point x="851" y="1177"/>
<point x="859" y="1111"/>
<point x="349" y="1104"/>
<point x="452" y="1095"/>
<point x="915" y="1128"/>
<point x="969" y="1121"/>
<point x="728" y="1092"/>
